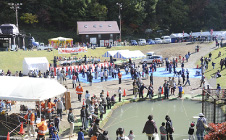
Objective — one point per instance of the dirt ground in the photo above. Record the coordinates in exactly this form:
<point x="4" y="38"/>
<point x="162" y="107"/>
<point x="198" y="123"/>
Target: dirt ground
<point x="166" y="50"/>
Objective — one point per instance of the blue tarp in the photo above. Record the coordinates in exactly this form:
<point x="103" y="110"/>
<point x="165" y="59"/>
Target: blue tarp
<point x="161" y="72"/>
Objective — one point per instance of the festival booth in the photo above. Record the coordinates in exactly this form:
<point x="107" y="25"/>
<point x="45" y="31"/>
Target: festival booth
<point x="112" y="53"/>
<point x="35" y="63"/>
<point x="175" y="36"/>
<point x="60" y="42"/>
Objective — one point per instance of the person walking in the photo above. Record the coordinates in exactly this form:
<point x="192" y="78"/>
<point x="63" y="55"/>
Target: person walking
<point x="30" y="119"/>
<point x="169" y="128"/>
<point x="119" y="77"/>
<point x="150" y="128"/>
<point x="79" y="91"/>
<point x="200" y="126"/>
<point x="191" y="132"/>
<point x="187" y="81"/>
<point x="71" y="120"/>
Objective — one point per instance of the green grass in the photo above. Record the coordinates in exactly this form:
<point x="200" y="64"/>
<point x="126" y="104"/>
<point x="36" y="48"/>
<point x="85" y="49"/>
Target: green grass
<point x="14" y="60"/>
<point x="211" y="72"/>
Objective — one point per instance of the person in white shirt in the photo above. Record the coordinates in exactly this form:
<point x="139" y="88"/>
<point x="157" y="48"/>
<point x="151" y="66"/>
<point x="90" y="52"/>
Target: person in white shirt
<point x="120" y="134"/>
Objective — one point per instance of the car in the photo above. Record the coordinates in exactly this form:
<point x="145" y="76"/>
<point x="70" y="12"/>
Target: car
<point x="150" y="42"/>
<point x="141" y="42"/>
<point x="42" y="46"/>
<point x="158" y="41"/>
<point x="150" y="59"/>
<point x="133" y="42"/>
<point x="166" y="39"/>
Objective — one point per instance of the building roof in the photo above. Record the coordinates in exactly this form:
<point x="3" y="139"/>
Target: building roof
<point x="97" y="27"/>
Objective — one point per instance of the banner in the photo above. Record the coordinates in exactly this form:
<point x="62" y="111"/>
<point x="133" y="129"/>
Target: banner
<point x="72" y="50"/>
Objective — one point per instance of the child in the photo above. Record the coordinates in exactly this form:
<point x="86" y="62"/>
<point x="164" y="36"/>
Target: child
<point x="119" y="94"/>
<point x="81" y="134"/>
<point x="191" y="131"/>
<point x="57" y="122"/>
<point x="55" y="135"/>
<point x="163" y="131"/>
<point x="131" y="136"/>
<point x="51" y="129"/>
<point x="159" y="92"/>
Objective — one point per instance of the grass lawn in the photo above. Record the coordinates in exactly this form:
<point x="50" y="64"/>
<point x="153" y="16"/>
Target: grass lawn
<point x="211" y="72"/>
<point x="14" y="60"/>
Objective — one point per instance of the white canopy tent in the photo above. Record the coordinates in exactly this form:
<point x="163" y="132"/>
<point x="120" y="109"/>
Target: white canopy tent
<point x="112" y="53"/>
<point x="29" y="89"/>
<point x="205" y="34"/>
<point x="32" y="63"/>
<point x="179" y="35"/>
<point x="129" y="54"/>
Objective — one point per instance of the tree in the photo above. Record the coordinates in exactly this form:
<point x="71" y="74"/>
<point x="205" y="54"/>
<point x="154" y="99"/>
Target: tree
<point x="218" y="131"/>
<point x="28" y="18"/>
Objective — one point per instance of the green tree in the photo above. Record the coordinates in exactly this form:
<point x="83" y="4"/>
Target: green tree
<point x="29" y="18"/>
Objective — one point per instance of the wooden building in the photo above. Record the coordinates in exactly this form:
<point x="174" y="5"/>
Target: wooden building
<point x="99" y="33"/>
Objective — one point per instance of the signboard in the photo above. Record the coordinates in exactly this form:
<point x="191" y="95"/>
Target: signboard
<point x="72" y="50"/>
<point x="67" y="96"/>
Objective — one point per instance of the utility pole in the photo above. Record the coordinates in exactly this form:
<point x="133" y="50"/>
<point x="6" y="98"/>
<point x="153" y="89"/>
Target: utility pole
<point x="120" y="19"/>
<point x="15" y="7"/>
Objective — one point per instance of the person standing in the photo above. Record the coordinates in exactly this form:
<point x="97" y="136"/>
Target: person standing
<point x="120" y="94"/>
<point x="57" y="122"/>
<point x="108" y="102"/>
<point x="71" y="121"/>
<point x="131" y="136"/>
<point x="180" y="91"/>
<point x="90" y="79"/>
<point x="120" y="134"/>
<point x="74" y="81"/>
<point x="81" y="134"/>
<point x="79" y="91"/>
<point x="202" y="79"/>
<point x="169" y="128"/>
<point x="120" y="77"/>
<point x="150" y="128"/>
<point x="141" y="91"/>
<point x="151" y="78"/>
<point x="163" y="132"/>
<point x="30" y="119"/>
<point x="84" y="115"/>
<point x="200" y="126"/>
<point x="191" y="132"/>
<point x="101" y="76"/>
<point x="50" y="106"/>
<point x="150" y="91"/>
<point x="42" y="128"/>
<point x="60" y="107"/>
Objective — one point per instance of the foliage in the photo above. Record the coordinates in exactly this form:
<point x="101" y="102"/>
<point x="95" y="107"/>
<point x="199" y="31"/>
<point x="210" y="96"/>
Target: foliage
<point x="137" y="15"/>
<point x="28" y="18"/>
<point x="218" y="131"/>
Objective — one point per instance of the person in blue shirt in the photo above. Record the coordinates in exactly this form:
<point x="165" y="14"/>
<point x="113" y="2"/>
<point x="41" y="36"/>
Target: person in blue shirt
<point x="51" y="129"/>
<point x="180" y="91"/>
<point x="81" y="134"/>
<point x="55" y="135"/>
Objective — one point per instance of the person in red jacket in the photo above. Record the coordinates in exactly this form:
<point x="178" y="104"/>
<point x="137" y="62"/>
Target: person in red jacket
<point x="120" y="77"/>
<point x="79" y="91"/>
<point x="30" y="119"/>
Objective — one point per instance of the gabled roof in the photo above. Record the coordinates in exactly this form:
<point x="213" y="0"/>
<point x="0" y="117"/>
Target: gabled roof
<point x="97" y="27"/>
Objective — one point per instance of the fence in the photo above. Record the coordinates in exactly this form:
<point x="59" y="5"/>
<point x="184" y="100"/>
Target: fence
<point x="214" y="105"/>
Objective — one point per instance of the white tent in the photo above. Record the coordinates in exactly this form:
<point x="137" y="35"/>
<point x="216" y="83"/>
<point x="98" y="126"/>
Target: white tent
<point x="31" y="63"/>
<point x="112" y="53"/>
<point x="29" y="89"/>
<point x="197" y="34"/>
<point x="179" y="35"/>
<point x="129" y="54"/>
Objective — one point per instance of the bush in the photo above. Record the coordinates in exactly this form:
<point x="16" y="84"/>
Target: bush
<point x="218" y="131"/>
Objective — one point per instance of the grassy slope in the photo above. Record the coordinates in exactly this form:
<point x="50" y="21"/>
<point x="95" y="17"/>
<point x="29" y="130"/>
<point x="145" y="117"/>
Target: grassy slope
<point x="14" y="60"/>
<point x="211" y="72"/>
